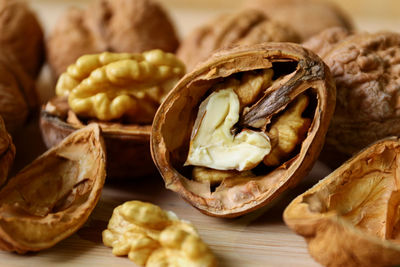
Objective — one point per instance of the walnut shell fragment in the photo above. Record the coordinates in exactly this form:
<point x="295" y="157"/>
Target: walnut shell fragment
<point x="52" y="197"/>
<point x="306" y="17"/>
<point x="7" y="152"/>
<point x="297" y="73"/>
<point x="365" y="67"/>
<point x="247" y="26"/>
<point x="22" y="35"/>
<point x="110" y="25"/>
<point x="351" y="217"/>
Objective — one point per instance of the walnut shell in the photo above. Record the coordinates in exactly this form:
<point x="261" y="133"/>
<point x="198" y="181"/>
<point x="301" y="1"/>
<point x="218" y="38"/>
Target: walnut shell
<point x="128" y="153"/>
<point x="22" y="34"/>
<point x="110" y="25"/>
<point x="243" y="27"/>
<point x="351" y="217"/>
<point x="302" y="72"/>
<point x="366" y="69"/>
<point x="306" y="17"/>
<point x="7" y="152"/>
<point x="52" y="197"/>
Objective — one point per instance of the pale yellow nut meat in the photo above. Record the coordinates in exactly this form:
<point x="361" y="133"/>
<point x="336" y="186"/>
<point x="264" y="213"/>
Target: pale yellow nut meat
<point x="289" y="131"/>
<point x="212" y="143"/>
<point x="109" y="86"/>
<point x="150" y="236"/>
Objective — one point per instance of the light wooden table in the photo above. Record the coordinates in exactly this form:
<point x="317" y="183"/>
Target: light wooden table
<point x="257" y="239"/>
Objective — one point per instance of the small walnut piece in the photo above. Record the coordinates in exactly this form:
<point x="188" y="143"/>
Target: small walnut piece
<point x="52" y="197"/>
<point x="151" y="236"/>
<point x="215" y="177"/>
<point x="110" y="25"/>
<point x="351" y="217"/>
<point x="7" y="152"/>
<point x="109" y="86"/>
<point x="244" y="27"/>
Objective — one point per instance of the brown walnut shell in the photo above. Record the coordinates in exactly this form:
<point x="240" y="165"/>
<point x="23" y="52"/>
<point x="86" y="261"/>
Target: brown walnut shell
<point x="366" y="70"/>
<point x="52" y="197"/>
<point x="306" y="17"/>
<point x="7" y="152"/>
<point x="17" y="91"/>
<point x="110" y="25"/>
<point x="22" y="34"/>
<point x="303" y="72"/>
<point x="351" y="217"/>
<point x="243" y="27"/>
<point x="128" y="152"/>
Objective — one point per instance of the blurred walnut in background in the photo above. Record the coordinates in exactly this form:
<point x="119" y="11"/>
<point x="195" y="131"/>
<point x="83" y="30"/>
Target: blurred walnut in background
<point x="21" y="58"/>
<point x="22" y="34"/>
<point x="7" y="152"/>
<point x="307" y="17"/>
<point x="110" y="25"/>
<point x="245" y="27"/>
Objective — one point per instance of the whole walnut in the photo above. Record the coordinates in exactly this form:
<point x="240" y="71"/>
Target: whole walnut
<point x="307" y="17"/>
<point x="22" y="34"/>
<point x="245" y="27"/>
<point x="17" y="91"/>
<point x="366" y="69"/>
<point x="110" y="25"/>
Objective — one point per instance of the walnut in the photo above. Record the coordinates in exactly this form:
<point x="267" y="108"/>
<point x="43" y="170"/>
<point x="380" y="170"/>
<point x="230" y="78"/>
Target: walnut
<point x="17" y="91"/>
<point x="52" y="197"/>
<point x="351" y="217"/>
<point x="22" y="35"/>
<point x="110" y="25"/>
<point x="7" y="152"/>
<point x="151" y="236"/>
<point x="288" y="131"/>
<point x="323" y="42"/>
<point x="306" y="17"/>
<point x="119" y="91"/>
<point x="245" y="27"/>
<point x="204" y="110"/>
<point x="109" y="86"/>
<point x="366" y="69"/>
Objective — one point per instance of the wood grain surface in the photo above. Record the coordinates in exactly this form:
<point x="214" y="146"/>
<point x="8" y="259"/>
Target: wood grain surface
<point x="258" y="239"/>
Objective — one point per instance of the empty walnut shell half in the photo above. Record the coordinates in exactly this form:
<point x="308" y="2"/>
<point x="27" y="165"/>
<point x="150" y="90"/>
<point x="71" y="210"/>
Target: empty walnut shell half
<point x="283" y="116"/>
<point x="110" y="25"/>
<point x="243" y="27"/>
<point x="7" y="152"/>
<point x="306" y="17"/>
<point x="53" y="196"/>
<point x="351" y="218"/>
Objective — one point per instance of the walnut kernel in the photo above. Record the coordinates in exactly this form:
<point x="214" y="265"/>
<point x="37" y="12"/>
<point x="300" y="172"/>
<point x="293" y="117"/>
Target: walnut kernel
<point x="151" y="236"/>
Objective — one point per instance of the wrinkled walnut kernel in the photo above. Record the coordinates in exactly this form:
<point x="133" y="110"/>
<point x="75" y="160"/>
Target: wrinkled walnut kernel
<point x="288" y="131"/>
<point x="109" y="86"/>
<point x="151" y="236"/>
